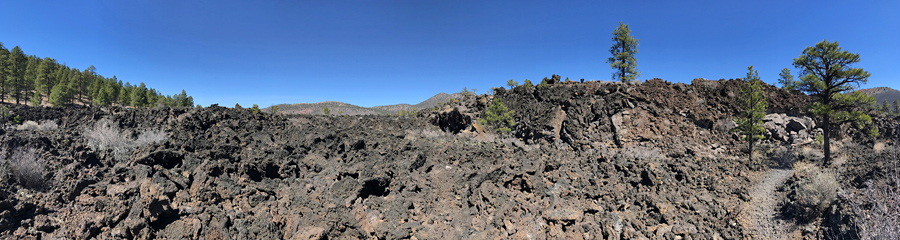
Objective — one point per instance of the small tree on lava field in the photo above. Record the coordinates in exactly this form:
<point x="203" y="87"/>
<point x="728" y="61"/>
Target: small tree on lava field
<point x="623" y="51"/>
<point x="753" y="109"/>
<point x="498" y="116"/>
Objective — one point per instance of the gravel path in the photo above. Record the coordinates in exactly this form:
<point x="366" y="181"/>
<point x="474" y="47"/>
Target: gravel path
<point x="759" y="214"/>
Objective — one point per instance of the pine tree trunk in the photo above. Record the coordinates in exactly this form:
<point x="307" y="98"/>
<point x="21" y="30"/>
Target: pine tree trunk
<point x="16" y="90"/>
<point x="827" y="134"/>
<point x="751" y="148"/>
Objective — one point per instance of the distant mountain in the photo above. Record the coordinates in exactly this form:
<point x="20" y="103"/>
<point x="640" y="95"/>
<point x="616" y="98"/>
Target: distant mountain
<point x="883" y="93"/>
<point x="429" y="103"/>
<point x="340" y="108"/>
<point x="316" y="108"/>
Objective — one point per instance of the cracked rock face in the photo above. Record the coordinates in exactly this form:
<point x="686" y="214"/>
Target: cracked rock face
<point x="573" y="170"/>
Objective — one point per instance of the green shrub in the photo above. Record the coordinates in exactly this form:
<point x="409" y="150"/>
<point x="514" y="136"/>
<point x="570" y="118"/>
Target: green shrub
<point x="498" y="116"/>
<point x="527" y="83"/>
<point x="255" y="109"/>
<point x="512" y="84"/>
<point x="466" y="92"/>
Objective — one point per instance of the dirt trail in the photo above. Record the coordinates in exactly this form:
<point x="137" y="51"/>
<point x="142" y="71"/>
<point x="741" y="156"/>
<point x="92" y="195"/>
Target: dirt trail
<point x="759" y="216"/>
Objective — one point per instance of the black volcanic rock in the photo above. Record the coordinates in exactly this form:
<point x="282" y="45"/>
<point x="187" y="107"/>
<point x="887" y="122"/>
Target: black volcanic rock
<point x="586" y="160"/>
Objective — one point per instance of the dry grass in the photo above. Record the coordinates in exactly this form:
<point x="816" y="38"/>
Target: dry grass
<point x="47" y="125"/>
<point x="812" y="153"/>
<point x="784" y="156"/>
<point x="105" y="135"/>
<point x="879" y="146"/>
<point x="25" y="166"/>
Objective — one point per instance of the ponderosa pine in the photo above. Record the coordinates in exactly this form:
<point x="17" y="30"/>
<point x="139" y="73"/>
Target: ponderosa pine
<point x="826" y="75"/>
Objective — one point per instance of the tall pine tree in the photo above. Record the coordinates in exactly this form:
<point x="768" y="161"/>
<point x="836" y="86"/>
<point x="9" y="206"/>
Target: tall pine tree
<point x="59" y="95"/>
<point x="139" y="96"/>
<point x="826" y="75"/>
<point x="753" y="109"/>
<point x="4" y="54"/>
<point x="623" y="50"/>
<point x="27" y="85"/>
<point x="125" y="95"/>
<point x="103" y="97"/>
<point x="46" y="76"/>
<point x="896" y="107"/>
<point x="16" y="63"/>
<point x="74" y="91"/>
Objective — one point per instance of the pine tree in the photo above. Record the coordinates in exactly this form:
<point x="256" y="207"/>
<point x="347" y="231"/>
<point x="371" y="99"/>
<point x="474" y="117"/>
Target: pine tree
<point x="512" y="84"/>
<point x="787" y="80"/>
<point x="896" y="107"/>
<point x="623" y="51"/>
<point x="125" y="95"/>
<point x="73" y="90"/>
<point x="62" y="74"/>
<point x="87" y="78"/>
<point x="326" y="111"/>
<point x="103" y="97"/>
<point x="15" y="74"/>
<point x="114" y="87"/>
<point x="139" y="96"/>
<point x="826" y="75"/>
<point x="753" y="109"/>
<point x="4" y="53"/>
<point x="180" y="100"/>
<point x="46" y="76"/>
<point x="36" y="99"/>
<point x="95" y="87"/>
<point x="255" y="109"/>
<point x="885" y="107"/>
<point x="498" y="117"/>
<point x="58" y="95"/>
<point x="31" y="72"/>
<point x="185" y="100"/>
<point x="151" y="97"/>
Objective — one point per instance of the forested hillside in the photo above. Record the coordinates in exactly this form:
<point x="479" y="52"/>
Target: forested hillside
<point x="31" y="80"/>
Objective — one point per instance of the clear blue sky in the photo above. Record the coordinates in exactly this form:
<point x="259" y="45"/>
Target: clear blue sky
<point x="385" y="52"/>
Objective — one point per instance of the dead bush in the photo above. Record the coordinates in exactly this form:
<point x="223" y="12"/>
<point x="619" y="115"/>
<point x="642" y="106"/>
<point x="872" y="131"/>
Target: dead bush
<point x="48" y="125"/>
<point x="27" y="125"/>
<point x="32" y="125"/>
<point x="25" y="166"/>
<point x="640" y="152"/>
<point x="877" y="207"/>
<point x="105" y="135"/>
<point x="814" y="191"/>
<point x="147" y="137"/>
<point x="784" y="156"/>
<point x="725" y="125"/>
